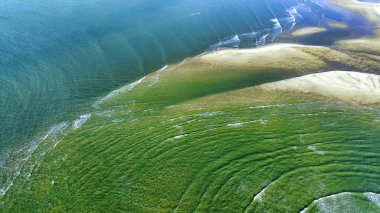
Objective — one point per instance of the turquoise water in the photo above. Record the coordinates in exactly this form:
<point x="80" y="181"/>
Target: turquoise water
<point x="58" y="57"/>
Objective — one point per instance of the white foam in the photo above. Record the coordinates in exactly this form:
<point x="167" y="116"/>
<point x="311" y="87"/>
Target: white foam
<point x="330" y="203"/>
<point x="309" y="114"/>
<point x="268" y="106"/>
<point x="118" y="120"/>
<point x="179" y="136"/>
<point x="263" y="122"/>
<point x="207" y="114"/>
<point x="56" y="129"/>
<point x="373" y="197"/>
<point x="195" y="14"/>
<point x="56" y="143"/>
<point x="177" y="126"/>
<point x="377" y="9"/>
<point x="180" y="129"/>
<point x="81" y="120"/>
<point x="156" y="77"/>
<point x="314" y="149"/>
<point x="233" y="41"/>
<point x="259" y="196"/>
<point x="107" y="113"/>
<point x="122" y="90"/>
<point x="3" y="191"/>
<point x="177" y="118"/>
<point x="235" y="125"/>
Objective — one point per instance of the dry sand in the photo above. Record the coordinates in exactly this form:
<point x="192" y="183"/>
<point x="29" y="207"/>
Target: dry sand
<point x="308" y="31"/>
<point x="353" y="87"/>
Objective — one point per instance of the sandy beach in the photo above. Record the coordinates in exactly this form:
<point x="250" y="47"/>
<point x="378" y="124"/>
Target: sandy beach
<point x="353" y="87"/>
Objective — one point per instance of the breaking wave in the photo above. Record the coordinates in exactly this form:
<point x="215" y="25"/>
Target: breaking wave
<point x="277" y="25"/>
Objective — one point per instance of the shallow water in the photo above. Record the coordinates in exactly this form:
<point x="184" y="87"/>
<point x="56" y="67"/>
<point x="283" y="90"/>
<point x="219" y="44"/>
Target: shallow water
<point x="58" y="57"/>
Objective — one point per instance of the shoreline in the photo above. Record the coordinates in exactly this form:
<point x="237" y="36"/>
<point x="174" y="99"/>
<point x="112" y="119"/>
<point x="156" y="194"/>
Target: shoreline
<point x="243" y="57"/>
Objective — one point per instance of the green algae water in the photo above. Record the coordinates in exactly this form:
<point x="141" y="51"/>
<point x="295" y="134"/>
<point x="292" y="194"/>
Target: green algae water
<point x="63" y="149"/>
<point x="226" y="153"/>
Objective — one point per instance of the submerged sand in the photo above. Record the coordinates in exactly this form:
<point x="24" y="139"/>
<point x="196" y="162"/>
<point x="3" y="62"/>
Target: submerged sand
<point x="308" y="31"/>
<point x="371" y="12"/>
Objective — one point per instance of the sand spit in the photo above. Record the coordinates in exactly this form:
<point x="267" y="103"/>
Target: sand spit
<point x="261" y="55"/>
<point x="353" y="87"/>
<point x="278" y="61"/>
<point x="301" y="59"/>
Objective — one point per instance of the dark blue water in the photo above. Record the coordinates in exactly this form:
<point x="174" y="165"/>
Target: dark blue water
<point x="57" y="57"/>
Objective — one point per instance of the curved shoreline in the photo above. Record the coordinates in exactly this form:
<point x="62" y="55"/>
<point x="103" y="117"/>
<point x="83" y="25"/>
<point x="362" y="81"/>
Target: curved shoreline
<point x="238" y="58"/>
<point x="242" y="57"/>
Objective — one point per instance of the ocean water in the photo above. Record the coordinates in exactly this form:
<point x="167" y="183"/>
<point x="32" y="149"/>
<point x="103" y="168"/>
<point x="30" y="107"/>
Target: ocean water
<point x="58" y="57"/>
